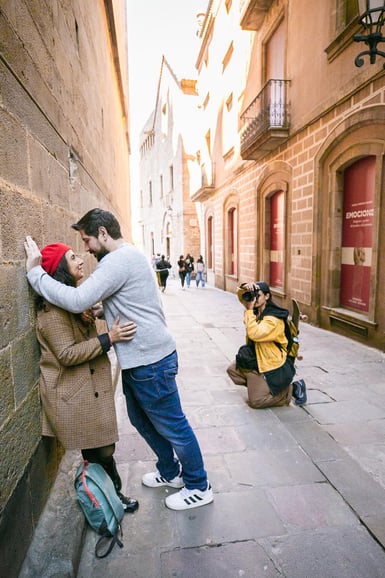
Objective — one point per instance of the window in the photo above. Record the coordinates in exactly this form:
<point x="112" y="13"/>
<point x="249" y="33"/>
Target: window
<point x="210" y="243"/>
<point x="208" y="142"/>
<point x="346" y="17"/>
<point x="164" y="121"/>
<point x="275" y="54"/>
<point x="150" y="194"/>
<point x="346" y="11"/>
<point x="161" y="185"/>
<point x="232" y="241"/>
<point x="227" y="57"/>
<point x="230" y="125"/>
<point x="171" y="178"/>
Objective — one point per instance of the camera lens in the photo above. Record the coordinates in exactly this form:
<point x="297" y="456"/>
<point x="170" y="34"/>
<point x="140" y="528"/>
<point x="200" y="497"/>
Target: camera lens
<point x="248" y="296"/>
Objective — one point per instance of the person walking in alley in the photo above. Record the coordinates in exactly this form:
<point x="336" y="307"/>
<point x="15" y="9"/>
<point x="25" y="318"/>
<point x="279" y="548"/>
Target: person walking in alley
<point x="269" y="384"/>
<point x="182" y="270"/>
<point x="200" y="272"/>
<point x="76" y="389"/>
<point x="189" y="267"/>
<point x="162" y="268"/>
<point x="124" y="282"/>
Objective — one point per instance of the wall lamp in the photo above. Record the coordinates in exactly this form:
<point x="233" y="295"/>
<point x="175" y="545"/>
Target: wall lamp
<point x="372" y="18"/>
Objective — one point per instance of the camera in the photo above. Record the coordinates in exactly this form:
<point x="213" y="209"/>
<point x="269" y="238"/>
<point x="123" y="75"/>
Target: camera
<point x="249" y="295"/>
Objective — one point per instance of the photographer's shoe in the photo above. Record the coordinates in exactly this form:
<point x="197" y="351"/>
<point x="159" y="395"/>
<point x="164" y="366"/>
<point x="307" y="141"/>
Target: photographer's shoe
<point x="299" y="392"/>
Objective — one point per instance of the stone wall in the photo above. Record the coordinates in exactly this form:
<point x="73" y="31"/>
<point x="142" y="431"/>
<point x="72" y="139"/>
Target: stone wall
<point x="64" y="149"/>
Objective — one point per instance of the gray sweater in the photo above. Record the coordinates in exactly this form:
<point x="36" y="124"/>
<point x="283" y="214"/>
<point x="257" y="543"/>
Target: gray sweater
<point x="124" y="281"/>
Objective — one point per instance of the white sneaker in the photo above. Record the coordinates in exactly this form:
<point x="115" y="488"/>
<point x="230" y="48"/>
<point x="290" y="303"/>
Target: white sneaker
<point x="155" y="480"/>
<point x="188" y="499"/>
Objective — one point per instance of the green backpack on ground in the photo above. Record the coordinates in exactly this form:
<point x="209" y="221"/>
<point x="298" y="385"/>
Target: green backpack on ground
<point x="100" y="504"/>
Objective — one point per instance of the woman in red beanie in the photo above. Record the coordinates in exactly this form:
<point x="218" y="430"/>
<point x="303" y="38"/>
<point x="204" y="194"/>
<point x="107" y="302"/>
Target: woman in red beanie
<point x="75" y="375"/>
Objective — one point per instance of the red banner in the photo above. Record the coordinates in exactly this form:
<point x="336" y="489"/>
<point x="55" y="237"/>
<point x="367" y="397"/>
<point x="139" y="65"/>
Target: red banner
<point x="277" y="239"/>
<point x="357" y="234"/>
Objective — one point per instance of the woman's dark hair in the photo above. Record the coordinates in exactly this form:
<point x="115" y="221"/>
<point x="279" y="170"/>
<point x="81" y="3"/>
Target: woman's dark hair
<point x="62" y="275"/>
<point x="96" y="218"/>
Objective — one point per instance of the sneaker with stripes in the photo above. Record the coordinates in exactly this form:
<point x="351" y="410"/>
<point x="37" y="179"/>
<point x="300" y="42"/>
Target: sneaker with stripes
<point x="156" y="480"/>
<point x="188" y="499"/>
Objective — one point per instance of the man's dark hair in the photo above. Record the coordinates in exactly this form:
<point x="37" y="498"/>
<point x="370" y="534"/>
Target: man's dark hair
<point x="96" y="218"/>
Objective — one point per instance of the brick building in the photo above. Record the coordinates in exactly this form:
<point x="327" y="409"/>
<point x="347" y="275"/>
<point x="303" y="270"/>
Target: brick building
<point x="64" y="149"/>
<point x="295" y="135"/>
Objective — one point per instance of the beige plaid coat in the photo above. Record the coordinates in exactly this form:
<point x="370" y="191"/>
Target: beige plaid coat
<point x="75" y="382"/>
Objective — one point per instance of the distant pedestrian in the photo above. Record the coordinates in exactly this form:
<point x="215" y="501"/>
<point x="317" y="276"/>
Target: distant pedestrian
<point x="200" y="271"/>
<point x="155" y="260"/>
<point x="182" y="270"/>
<point x="162" y="267"/>
<point x="189" y="260"/>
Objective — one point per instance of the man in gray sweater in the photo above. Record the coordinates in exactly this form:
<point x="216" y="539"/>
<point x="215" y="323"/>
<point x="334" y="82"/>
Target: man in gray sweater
<point x="125" y="283"/>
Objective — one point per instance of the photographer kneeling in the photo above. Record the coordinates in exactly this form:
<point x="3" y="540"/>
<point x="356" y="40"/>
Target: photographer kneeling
<point x="269" y="372"/>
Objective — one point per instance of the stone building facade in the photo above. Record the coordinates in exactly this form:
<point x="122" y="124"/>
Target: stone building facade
<point x="170" y="220"/>
<point x="64" y="149"/>
<point x="295" y="133"/>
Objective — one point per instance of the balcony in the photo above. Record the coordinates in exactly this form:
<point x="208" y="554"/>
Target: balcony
<point x="265" y="123"/>
<point x="253" y="13"/>
<point x="207" y="182"/>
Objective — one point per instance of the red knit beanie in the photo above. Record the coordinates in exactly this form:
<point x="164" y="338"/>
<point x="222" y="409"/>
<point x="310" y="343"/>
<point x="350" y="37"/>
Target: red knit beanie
<point x="52" y="255"/>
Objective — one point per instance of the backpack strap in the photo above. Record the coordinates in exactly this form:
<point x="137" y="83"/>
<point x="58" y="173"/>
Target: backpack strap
<point x="114" y="540"/>
<point x="289" y="338"/>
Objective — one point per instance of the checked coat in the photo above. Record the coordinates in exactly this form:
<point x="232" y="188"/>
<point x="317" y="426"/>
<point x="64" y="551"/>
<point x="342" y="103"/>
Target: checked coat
<point x="75" y="382"/>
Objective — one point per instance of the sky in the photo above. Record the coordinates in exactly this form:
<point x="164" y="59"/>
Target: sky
<point x="156" y="28"/>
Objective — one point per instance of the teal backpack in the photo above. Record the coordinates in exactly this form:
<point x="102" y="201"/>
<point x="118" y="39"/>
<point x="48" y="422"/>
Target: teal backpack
<point x="100" y="504"/>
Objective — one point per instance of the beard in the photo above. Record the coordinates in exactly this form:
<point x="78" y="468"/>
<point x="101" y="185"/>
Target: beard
<point x="100" y="254"/>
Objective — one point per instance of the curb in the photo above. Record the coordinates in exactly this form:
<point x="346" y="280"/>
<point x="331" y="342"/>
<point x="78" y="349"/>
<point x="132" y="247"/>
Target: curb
<point x="58" y="538"/>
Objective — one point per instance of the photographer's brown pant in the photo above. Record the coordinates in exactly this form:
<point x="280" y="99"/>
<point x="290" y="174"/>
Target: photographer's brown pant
<point x="259" y="395"/>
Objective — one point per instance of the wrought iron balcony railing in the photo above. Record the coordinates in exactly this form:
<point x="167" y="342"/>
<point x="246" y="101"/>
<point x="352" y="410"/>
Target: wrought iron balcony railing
<point x="265" y="122"/>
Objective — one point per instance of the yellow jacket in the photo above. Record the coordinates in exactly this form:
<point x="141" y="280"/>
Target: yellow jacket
<point x="264" y="333"/>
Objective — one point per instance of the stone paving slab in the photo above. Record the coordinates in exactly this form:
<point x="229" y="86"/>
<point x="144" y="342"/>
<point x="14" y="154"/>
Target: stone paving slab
<point x="358" y="488"/>
<point x="328" y="553"/>
<point x="346" y="411"/>
<point x="246" y="559"/>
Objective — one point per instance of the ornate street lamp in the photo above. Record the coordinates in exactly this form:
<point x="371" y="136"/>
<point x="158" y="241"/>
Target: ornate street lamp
<point x="372" y="18"/>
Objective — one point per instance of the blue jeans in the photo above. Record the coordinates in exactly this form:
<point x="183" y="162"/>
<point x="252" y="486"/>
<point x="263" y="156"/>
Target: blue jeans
<point x="188" y="278"/>
<point x="200" y="276"/>
<point x="154" y="409"/>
